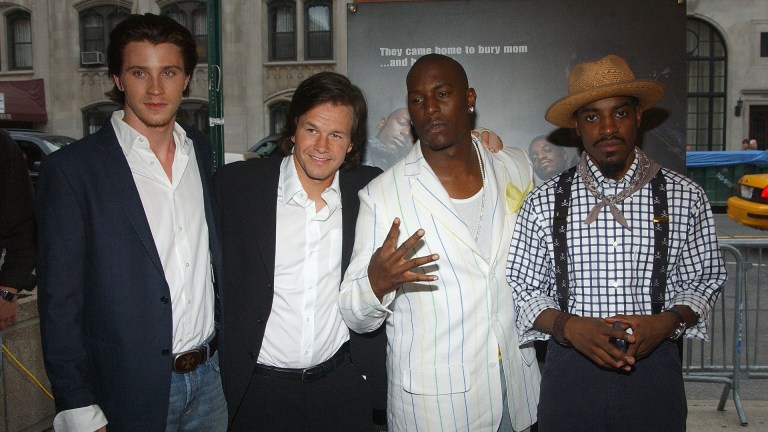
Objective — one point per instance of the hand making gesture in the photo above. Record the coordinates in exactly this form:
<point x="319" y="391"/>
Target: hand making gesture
<point x="389" y="268"/>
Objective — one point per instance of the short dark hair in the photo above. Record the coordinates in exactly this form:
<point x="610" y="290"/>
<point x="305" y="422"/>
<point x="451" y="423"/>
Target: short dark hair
<point x="155" y="29"/>
<point x="336" y="89"/>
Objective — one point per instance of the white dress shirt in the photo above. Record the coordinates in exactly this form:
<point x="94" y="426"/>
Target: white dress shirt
<point x="175" y="211"/>
<point x="305" y="327"/>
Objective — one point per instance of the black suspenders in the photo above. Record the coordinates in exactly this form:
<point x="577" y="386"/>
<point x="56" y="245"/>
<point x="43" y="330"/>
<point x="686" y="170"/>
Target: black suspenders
<point x="660" y="237"/>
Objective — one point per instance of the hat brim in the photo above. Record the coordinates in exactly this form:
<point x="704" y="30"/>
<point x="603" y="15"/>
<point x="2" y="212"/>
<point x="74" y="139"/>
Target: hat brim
<point x="561" y="112"/>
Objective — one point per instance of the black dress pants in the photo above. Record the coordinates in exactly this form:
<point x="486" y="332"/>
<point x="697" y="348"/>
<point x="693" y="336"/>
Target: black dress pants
<point x="339" y="401"/>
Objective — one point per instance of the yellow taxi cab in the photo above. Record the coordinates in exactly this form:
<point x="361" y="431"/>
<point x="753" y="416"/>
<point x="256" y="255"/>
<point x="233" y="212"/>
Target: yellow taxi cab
<point x="750" y="205"/>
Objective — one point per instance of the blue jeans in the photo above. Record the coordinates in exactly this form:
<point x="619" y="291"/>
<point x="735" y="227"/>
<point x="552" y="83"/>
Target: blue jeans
<point x="197" y="400"/>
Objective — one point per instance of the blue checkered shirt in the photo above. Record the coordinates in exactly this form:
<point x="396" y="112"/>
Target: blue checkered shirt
<point x="609" y="267"/>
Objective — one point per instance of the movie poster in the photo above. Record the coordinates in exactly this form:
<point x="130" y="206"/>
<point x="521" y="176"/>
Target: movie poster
<point x="517" y="54"/>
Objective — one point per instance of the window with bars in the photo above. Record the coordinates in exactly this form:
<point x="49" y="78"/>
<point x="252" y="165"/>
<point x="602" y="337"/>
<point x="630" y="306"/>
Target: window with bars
<point x="19" y="26"/>
<point x="278" y="113"/>
<point x="194" y="16"/>
<point x="707" y="62"/>
<point x="95" y="25"/>
<point x="318" y="35"/>
<point x="193" y="113"/>
<point x="314" y="18"/>
<point x="282" y="30"/>
<point x="758" y="125"/>
<point x="96" y="116"/>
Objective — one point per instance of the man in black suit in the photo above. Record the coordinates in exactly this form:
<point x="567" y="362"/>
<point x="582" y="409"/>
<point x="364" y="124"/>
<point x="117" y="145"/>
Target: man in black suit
<point x="17" y="230"/>
<point x="127" y="252"/>
<point x="287" y="226"/>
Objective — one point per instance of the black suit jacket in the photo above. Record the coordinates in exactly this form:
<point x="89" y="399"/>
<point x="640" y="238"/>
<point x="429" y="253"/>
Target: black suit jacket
<point x="246" y="202"/>
<point x="105" y="310"/>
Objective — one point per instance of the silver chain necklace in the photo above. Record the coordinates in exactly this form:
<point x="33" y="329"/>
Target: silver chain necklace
<point x="482" y="191"/>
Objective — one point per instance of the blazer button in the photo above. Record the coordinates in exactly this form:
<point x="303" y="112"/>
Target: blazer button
<point x="163" y="299"/>
<point x="251" y="355"/>
<point x="165" y="351"/>
<point x="260" y="320"/>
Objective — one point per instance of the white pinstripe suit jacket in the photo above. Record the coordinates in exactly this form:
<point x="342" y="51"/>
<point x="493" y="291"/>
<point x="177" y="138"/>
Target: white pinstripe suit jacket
<point x="444" y="337"/>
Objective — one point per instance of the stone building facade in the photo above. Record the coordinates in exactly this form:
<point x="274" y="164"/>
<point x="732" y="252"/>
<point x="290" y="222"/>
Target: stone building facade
<point x="269" y="46"/>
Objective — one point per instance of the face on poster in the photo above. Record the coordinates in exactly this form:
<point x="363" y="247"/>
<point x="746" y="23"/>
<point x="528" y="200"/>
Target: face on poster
<point x="518" y="54"/>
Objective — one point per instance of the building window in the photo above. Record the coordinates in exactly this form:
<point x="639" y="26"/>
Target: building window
<point x="194" y="16"/>
<point x="278" y="113"/>
<point x="707" y="65"/>
<point x="764" y="44"/>
<point x="193" y="113"/>
<point x="758" y="125"/>
<point x="19" y="40"/>
<point x="95" y="25"/>
<point x="97" y="116"/>
<point x="282" y="30"/>
<point x="318" y="25"/>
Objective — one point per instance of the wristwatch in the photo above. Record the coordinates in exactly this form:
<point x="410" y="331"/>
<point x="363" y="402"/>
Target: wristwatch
<point x="681" y="327"/>
<point x="7" y="295"/>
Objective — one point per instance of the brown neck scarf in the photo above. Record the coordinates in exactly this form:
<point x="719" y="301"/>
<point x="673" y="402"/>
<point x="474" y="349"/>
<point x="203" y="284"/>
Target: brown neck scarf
<point x="646" y="169"/>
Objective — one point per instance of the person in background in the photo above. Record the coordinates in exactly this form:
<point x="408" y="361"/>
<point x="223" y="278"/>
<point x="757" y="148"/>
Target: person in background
<point x="128" y="252"/>
<point x="745" y="144"/>
<point x="452" y="362"/>
<point x="395" y="139"/>
<point x="548" y="159"/>
<point x="613" y="261"/>
<point x="17" y="231"/>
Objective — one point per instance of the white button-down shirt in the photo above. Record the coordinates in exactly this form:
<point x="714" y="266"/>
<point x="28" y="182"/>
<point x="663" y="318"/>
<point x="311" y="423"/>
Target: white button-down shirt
<point x="305" y="327"/>
<point x="175" y="211"/>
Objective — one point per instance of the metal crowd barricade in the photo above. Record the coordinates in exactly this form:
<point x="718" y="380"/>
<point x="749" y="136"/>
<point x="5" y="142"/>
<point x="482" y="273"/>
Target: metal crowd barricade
<point x="719" y="359"/>
<point x="734" y="350"/>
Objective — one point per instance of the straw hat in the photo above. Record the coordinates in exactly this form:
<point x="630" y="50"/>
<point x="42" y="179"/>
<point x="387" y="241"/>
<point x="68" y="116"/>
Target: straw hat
<point x="608" y="77"/>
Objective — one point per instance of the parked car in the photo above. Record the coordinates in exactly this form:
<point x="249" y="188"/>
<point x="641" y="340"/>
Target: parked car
<point x="36" y="145"/>
<point x="750" y="205"/>
<point x="264" y="148"/>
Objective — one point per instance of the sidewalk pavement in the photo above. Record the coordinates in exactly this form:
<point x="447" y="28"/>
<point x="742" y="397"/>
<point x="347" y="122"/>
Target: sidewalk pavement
<point x="703" y="416"/>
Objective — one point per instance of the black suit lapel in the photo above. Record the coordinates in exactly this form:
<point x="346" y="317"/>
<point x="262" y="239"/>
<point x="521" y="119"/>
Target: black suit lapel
<point x="349" y="208"/>
<point x="267" y="220"/>
<point x="119" y="173"/>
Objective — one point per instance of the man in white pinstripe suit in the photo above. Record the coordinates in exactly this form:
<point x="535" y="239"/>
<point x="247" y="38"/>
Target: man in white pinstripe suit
<point x="452" y="358"/>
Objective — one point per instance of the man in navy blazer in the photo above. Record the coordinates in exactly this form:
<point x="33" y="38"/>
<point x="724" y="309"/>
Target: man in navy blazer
<point x="128" y="250"/>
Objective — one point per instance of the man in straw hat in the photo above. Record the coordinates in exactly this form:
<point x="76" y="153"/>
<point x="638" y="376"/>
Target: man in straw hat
<point x="615" y="259"/>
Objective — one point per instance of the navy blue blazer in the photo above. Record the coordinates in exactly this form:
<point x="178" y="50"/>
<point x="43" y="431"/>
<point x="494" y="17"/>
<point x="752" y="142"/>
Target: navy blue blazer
<point x="246" y="198"/>
<point x="105" y="310"/>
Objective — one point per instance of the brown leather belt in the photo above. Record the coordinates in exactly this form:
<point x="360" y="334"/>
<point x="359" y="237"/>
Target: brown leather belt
<point x="188" y="361"/>
<point x="306" y="375"/>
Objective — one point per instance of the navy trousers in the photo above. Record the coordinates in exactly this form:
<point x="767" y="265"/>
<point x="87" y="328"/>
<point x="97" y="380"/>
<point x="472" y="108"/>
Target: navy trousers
<point x="577" y="395"/>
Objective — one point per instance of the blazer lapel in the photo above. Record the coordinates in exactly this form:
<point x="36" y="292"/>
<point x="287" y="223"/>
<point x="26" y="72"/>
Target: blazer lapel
<point x="265" y="206"/>
<point x="205" y="166"/>
<point x="502" y="217"/>
<point x="349" y="209"/>
<point x="118" y="171"/>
